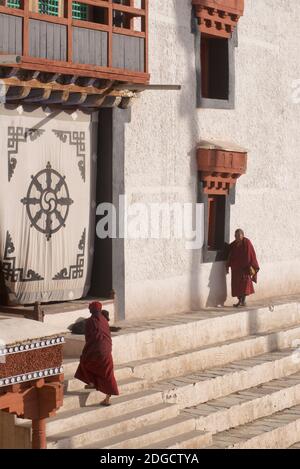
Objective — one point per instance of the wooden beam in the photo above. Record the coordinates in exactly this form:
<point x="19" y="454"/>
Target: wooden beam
<point x="44" y="65"/>
<point x="37" y="95"/>
<point x="94" y="101"/>
<point x="127" y="32"/>
<point x="26" y="28"/>
<point x="145" y="28"/>
<point x="48" y="18"/>
<point x="57" y="97"/>
<point x="110" y="35"/>
<point x="39" y="434"/>
<point x="69" y="13"/>
<point x="17" y="92"/>
<point x="75" y="99"/>
<point x="11" y="11"/>
<point x="10" y="59"/>
<point x="34" y="84"/>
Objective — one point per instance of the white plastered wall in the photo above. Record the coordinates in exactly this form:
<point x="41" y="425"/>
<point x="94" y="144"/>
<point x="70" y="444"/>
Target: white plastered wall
<point x="163" y="277"/>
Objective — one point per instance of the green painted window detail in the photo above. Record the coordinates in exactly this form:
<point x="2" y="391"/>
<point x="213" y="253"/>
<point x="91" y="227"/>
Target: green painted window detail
<point x="49" y="7"/>
<point x="80" y="11"/>
<point x="13" y="3"/>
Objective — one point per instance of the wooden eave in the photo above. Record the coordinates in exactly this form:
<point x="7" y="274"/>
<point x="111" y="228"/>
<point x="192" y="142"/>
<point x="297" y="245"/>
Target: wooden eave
<point x="20" y="86"/>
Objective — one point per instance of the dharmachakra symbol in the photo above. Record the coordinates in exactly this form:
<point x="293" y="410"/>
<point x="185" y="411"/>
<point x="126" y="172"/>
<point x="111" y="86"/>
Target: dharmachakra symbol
<point x="48" y="201"/>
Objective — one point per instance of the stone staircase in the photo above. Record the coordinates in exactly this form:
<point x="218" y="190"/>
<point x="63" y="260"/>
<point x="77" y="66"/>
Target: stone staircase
<point x="212" y="379"/>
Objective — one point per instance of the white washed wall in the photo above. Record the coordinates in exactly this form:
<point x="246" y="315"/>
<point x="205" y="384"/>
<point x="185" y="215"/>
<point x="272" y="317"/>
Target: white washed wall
<point x="162" y="276"/>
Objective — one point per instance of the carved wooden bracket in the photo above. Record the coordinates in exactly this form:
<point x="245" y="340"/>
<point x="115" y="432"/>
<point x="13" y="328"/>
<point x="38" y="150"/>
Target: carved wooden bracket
<point x="220" y="165"/>
<point x="36" y="401"/>
<point x="31" y="374"/>
<point x="218" y="17"/>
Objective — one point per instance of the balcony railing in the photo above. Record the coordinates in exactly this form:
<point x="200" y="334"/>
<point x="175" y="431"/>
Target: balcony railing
<point x="92" y="38"/>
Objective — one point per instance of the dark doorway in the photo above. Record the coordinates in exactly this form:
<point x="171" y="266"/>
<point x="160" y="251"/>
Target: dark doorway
<point x="101" y="282"/>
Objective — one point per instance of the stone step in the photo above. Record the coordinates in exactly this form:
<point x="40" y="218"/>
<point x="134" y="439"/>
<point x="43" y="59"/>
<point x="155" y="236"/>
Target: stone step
<point x="71" y="364"/>
<point x="78" y="403"/>
<point x="200" y="387"/>
<point x="73" y="384"/>
<point x="246" y="406"/>
<point x="88" y="434"/>
<point x="196" y="388"/>
<point x="279" y="431"/>
<point x="185" y="391"/>
<point x="85" y="397"/>
<point x="175" y="364"/>
<point x="120" y="404"/>
<point x="67" y="313"/>
<point x="295" y="446"/>
<point x="190" y="440"/>
<point x="156" y="337"/>
<point x="148" y="434"/>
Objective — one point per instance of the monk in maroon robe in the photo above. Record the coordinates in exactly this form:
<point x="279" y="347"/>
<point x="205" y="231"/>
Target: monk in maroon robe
<point x="244" y="267"/>
<point x="96" y="367"/>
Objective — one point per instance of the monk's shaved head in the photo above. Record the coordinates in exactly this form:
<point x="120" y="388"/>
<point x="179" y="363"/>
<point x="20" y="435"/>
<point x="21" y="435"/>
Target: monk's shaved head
<point x="239" y="235"/>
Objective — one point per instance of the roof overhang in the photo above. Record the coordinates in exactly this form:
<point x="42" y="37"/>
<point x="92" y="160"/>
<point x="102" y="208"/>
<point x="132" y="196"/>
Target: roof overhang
<point x="66" y="91"/>
<point x="49" y="89"/>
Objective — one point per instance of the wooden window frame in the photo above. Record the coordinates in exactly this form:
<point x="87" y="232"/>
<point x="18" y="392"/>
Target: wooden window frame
<point x="34" y="7"/>
<point x="209" y="103"/>
<point x="209" y="255"/>
<point x="216" y="221"/>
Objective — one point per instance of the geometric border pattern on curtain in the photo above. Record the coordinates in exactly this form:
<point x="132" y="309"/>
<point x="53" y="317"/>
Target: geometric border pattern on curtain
<point x="9" y="269"/>
<point x="74" y="271"/>
<point x="17" y="135"/>
<point x="77" y="139"/>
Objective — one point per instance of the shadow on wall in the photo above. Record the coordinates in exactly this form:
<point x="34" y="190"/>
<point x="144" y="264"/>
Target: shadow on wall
<point x="217" y="286"/>
<point x="188" y="112"/>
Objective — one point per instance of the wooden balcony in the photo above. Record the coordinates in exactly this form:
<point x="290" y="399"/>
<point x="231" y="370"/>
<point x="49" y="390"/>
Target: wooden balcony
<point x="109" y="45"/>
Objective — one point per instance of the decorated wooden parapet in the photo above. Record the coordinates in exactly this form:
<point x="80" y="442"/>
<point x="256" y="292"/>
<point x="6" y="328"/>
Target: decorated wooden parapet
<point x="31" y="372"/>
<point x="220" y="165"/>
<point x="218" y="18"/>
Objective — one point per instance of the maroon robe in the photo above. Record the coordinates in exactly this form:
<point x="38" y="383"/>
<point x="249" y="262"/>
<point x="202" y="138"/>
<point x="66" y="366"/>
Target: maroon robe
<point x="241" y="258"/>
<point x="96" y="363"/>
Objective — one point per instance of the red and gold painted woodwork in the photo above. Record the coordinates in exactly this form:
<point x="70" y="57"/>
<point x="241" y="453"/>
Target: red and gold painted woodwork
<point x="218" y="17"/>
<point x="220" y="167"/>
<point x="31" y="383"/>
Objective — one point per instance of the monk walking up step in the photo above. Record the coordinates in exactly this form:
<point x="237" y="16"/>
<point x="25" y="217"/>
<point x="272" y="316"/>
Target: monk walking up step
<point x="244" y="267"/>
<point x="96" y="367"/>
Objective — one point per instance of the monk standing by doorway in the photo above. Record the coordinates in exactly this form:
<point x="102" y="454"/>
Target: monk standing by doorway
<point x="96" y="367"/>
<point x="244" y="267"/>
